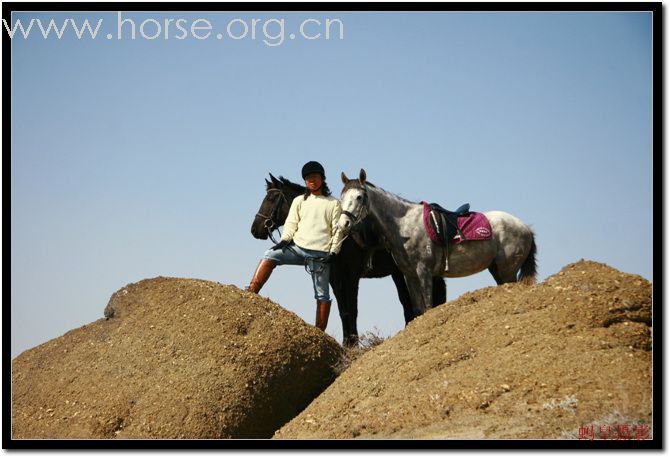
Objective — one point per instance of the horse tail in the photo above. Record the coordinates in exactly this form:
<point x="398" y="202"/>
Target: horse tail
<point x="528" y="271"/>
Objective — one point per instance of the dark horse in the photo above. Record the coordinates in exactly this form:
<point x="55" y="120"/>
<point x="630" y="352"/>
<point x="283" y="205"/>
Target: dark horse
<point x="361" y="256"/>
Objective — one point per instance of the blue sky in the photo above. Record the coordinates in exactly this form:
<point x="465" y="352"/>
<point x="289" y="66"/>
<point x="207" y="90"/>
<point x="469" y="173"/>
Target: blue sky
<point x="133" y="159"/>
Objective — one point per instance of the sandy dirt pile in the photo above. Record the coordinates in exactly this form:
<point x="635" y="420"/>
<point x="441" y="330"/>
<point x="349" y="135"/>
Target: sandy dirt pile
<point x="511" y="361"/>
<point x="176" y="358"/>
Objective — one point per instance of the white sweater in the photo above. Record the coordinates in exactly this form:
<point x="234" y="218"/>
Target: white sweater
<point x="312" y="223"/>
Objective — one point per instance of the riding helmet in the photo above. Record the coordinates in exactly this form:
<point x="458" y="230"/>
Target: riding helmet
<point x="312" y="167"/>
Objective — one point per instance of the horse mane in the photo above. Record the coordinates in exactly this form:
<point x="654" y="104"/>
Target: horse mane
<point x="289" y="184"/>
<point x="356" y="184"/>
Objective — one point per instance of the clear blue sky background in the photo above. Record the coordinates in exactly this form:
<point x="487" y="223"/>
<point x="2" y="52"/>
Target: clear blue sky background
<point x="134" y="159"/>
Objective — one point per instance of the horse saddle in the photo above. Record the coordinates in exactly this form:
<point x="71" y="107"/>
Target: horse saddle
<point x="442" y="224"/>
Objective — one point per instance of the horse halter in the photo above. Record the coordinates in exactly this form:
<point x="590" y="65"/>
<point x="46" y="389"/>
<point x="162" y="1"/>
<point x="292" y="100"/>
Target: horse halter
<point x="271" y="220"/>
<point x="355" y="218"/>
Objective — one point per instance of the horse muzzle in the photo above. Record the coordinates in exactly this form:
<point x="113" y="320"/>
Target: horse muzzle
<point x="346" y="221"/>
<point x="259" y="229"/>
<point x="259" y="234"/>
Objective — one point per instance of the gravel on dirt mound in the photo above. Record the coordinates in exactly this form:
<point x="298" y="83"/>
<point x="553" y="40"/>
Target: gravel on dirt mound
<point x="175" y="358"/>
<point x="514" y="361"/>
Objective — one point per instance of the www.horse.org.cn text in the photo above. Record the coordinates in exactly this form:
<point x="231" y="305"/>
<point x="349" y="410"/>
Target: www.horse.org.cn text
<point x="271" y="32"/>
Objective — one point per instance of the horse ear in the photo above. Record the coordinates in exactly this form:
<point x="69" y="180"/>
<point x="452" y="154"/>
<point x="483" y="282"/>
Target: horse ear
<point x="344" y="178"/>
<point x="362" y="176"/>
<point x="274" y="180"/>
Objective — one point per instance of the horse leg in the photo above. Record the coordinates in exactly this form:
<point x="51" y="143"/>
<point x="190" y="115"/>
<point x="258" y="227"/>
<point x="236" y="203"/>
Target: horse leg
<point x="351" y="338"/>
<point x="502" y="275"/>
<point x="439" y="291"/>
<point x="344" y="289"/>
<point x="506" y="265"/>
<point x="403" y="295"/>
<point x="493" y="269"/>
<point x="426" y="284"/>
<point x="420" y="287"/>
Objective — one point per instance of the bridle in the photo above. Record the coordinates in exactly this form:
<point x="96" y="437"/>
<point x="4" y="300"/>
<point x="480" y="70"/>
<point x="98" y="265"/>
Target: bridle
<point x="270" y="223"/>
<point x="356" y="218"/>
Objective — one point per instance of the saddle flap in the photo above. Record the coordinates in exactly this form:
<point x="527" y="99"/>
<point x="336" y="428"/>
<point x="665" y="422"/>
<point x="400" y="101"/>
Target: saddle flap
<point x="473" y="227"/>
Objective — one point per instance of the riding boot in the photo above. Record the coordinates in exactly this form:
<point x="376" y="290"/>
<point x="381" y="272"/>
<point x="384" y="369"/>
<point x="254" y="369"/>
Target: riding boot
<point x="261" y="275"/>
<point x="322" y="313"/>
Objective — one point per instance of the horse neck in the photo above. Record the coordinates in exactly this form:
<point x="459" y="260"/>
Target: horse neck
<point x="290" y="193"/>
<point x="386" y="209"/>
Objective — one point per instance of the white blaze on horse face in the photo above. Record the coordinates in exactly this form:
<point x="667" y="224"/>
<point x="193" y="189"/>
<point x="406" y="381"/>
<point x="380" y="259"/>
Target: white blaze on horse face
<point x="352" y="205"/>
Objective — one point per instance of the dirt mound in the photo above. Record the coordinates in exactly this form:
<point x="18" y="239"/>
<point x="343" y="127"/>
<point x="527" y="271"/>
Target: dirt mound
<point x="512" y="361"/>
<point x="177" y="358"/>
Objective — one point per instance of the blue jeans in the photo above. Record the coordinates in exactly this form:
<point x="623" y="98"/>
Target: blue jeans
<point x="295" y="255"/>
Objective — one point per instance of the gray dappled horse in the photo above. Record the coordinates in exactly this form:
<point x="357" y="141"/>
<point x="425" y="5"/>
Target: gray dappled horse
<point x="509" y="255"/>
<point x="363" y="258"/>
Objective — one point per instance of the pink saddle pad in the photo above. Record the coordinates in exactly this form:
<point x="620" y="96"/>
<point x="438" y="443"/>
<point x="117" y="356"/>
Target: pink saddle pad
<point x="474" y="227"/>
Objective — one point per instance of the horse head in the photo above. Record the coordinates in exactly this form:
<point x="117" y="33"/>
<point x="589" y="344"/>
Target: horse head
<point x="354" y="201"/>
<point x="273" y="211"/>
